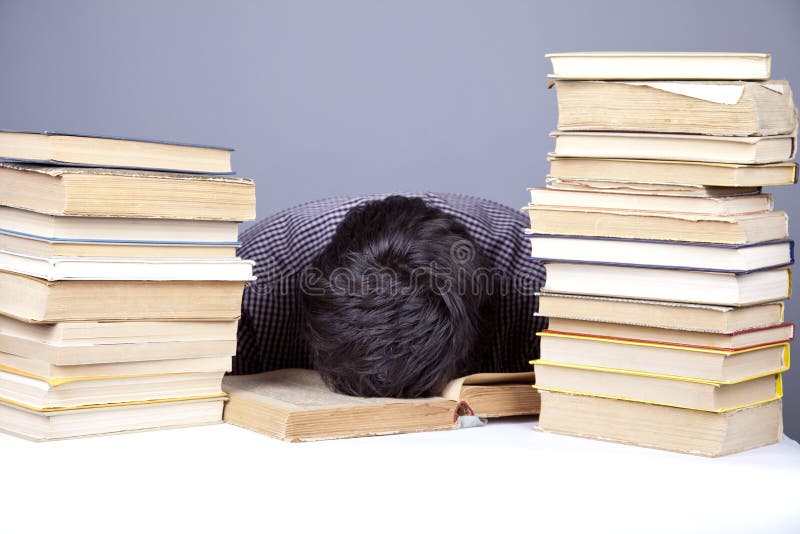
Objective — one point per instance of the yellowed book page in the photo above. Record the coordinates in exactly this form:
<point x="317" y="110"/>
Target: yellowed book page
<point x="453" y="388"/>
<point x="302" y="390"/>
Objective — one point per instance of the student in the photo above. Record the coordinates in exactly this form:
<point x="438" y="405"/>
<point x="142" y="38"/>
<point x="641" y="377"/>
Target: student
<point x="390" y="296"/>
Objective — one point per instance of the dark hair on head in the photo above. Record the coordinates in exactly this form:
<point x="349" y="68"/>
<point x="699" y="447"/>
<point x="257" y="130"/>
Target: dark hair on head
<point x="389" y="304"/>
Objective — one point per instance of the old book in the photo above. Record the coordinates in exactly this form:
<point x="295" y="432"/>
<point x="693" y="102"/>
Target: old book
<point x="118" y="229"/>
<point x="495" y="394"/>
<point x="730" y="341"/>
<point x="660" y="226"/>
<point x="38" y="246"/>
<point x="683" y="147"/>
<point x="668" y="390"/>
<point x="56" y="268"/>
<point x="709" y="363"/>
<point x="660" y="314"/>
<point x="89" y="343"/>
<point x="47" y="370"/>
<point x="83" y="334"/>
<point x="689" y="173"/>
<point x="660" y="66"/>
<point x="662" y="254"/>
<point x="40" y="393"/>
<point x="720" y="205"/>
<point x="95" y="192"/>
<point x="45" y="425"/>
<point x="35" y="300"/>
<point x="295" y="405"/>
<point x="97" y="151"/>
<point x="585" y="185"/>
<point x="662" y="427"/>
<point x="720" y="108"/>
<point x="722" y="289"/>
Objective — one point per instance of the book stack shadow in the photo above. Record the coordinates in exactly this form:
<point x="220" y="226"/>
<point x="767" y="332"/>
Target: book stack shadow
<point x="667" y="265"/>
<point x="120" y="288"/>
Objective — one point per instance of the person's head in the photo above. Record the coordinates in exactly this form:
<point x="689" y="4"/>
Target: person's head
<point x="390" y="306"/>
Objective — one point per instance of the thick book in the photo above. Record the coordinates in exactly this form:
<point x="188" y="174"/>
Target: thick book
<point x="688" y="316"/>
<point x="720" y="108"/>
<point x="35" y="300"/>
<point x="662" y="254"/>
<point x="700" y="287"/>
<point x="726" y="341"/>
<point x="586" y="185"/>
<point x="55" y="268"/>
<point x="97" y="151"/>
<point x="660" y="226"/>
<point x="690" y="173"/>
<point x="164" y="344"/>
<point x="674" y="359"/>
<point x="682" y="147"/>
<point x="720" y="205"/>
<point x="660" y="66"/>
<point x="122" y="230"/>
<point x="654" y="388"/>
<point x="43" y="425"/>
<point x="295" y="405"/>
<point x="662" y="427"/>
<point x="40" y="246"/>
<point x="40" y="393"/>
<point x="96" y="192"/>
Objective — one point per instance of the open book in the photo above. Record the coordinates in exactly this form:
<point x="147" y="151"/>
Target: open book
<point x="295" y="405"/>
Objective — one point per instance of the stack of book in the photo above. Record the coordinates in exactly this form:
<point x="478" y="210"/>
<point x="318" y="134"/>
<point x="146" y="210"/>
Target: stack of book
<point x="666" y="264"/>
<point x="120" y="288"/>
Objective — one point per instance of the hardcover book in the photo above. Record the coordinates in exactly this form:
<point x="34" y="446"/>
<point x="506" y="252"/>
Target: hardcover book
<point x="689" y="316"/>
<point x="654" y="388"/>
<point x="739" y="259"/>
<point x="721" y="108"/>
<point x="660" y="66"/>
<point x="98" y="192"/>
<point x="680" y="360"/>
<point x="40" y="246"/>
<point x="121" y="230"/>
<point x="721" y="205"/>
<point x="53" y="269"/>
<point x="660" y="226"/>
<point x="723" y="289"/>
<point x="656" y="171"/>
<point x="725" y="341"/>
<point x="35" y="300"/>
<point x="661" y="146"/>
<point x="624" y="187"/>
<point x="40" y="393"/>
<point x="662" y="427"/>
<point x="45" y="370"/>
<point x="96" y="151"/>
<point x="43" y="425"/>
<point x="89" y="343"/>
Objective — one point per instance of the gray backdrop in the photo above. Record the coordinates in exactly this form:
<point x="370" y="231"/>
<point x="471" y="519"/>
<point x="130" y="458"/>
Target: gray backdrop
<point x="324" y="98"/>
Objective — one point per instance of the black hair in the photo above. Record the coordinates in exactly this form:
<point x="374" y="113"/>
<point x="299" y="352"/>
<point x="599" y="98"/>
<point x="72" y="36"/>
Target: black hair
<point x="390" y="305"/>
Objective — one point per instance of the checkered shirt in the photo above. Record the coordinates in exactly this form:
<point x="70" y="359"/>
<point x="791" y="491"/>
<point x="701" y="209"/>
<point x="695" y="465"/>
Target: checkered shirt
<point x="283" y="245"/>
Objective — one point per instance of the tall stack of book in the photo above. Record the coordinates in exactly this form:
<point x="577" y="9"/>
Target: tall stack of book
<point x="666" y="264"/>
<point x="120" y="288"/>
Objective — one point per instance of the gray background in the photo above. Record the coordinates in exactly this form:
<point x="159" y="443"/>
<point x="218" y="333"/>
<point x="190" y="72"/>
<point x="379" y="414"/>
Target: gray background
<point x="337" y="97"/>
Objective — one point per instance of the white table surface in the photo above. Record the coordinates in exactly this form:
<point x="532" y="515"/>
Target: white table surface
<point x="503" y="477"/>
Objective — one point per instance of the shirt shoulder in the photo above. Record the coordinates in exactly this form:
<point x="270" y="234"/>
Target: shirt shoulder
<point x="287" y="241"/>
<point x="496" y="228"/>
